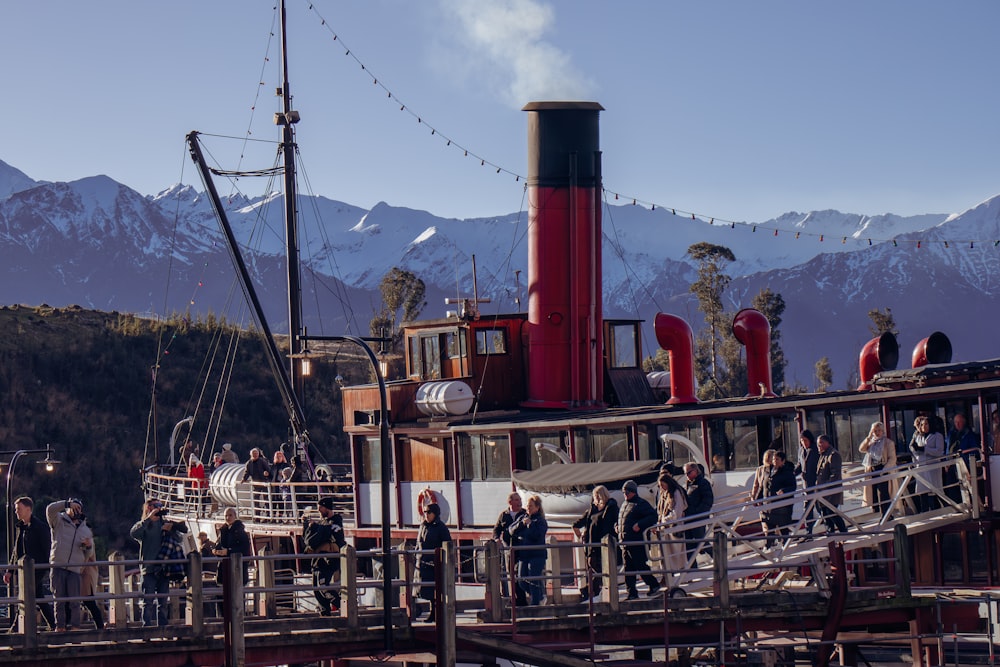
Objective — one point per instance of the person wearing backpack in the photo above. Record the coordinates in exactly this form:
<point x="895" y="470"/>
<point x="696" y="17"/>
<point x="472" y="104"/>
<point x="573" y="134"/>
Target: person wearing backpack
<point x="325" y="536"/>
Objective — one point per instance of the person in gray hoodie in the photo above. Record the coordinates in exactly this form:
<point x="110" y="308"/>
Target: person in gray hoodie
<point x="71" y="536"/>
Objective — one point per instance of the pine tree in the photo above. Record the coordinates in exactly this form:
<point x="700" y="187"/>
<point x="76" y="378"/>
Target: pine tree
<point x="824" y="374"/>
<point x="708" y="288"/>
<point x="882" y="322"/>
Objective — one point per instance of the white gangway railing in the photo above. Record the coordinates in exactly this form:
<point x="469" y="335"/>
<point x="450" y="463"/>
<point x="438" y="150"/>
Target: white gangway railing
<point x="866" y="525"/>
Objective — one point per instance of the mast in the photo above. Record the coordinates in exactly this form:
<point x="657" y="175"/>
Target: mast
<point x="287" y="120"/>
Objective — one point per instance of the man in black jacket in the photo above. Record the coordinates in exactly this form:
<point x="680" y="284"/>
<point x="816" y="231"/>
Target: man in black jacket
<point x="635" y="516"/>
<point x="501" y="532"/>
<point x="700" y="498"/>
<point x="34" y="540"/>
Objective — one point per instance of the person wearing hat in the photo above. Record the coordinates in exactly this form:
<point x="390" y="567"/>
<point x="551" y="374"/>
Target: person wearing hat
<point x="433" y="533"/>
<point x="228" y="455"/>
<point x="71" y="536"/>
<point x="325" y="536"/>
<point x="635" y="517"/>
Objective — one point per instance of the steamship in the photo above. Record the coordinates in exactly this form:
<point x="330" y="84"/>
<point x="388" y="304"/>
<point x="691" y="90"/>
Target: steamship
<point x="554" y="401"/>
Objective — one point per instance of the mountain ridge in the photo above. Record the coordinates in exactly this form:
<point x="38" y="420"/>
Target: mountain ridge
<point x="106" y="246"/>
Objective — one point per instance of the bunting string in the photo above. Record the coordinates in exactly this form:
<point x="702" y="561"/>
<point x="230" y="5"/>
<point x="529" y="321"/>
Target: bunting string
<point x="450" y="142"/>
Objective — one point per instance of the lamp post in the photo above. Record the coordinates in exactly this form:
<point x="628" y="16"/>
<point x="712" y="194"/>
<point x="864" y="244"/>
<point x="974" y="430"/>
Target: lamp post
<point x="14" y="458"/>
<point x="385" y="454"/>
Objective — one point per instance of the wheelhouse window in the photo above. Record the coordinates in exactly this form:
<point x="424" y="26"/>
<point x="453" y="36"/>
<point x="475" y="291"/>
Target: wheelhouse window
<point x="491" y="341"/>
<point x="599" y="445"/>
<point x="623" y="345"/>
<point x="436" y="354"/>
<point x="484" y="457"/>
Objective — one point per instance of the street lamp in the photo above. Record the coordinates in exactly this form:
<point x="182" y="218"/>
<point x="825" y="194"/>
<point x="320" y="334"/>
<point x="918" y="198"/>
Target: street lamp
<point x="386" y="451"/>
<point x="15" y="456"/>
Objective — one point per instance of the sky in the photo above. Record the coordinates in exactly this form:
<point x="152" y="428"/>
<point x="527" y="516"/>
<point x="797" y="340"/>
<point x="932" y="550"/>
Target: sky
<point x="724" y="108"/>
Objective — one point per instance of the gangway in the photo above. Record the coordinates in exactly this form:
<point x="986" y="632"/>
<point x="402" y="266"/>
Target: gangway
<point x="867" y="527"/>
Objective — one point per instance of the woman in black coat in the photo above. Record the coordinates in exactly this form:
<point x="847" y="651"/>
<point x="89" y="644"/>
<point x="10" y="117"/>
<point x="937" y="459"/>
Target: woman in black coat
<point x="233" y="538"/>
<point x="433" y="533"/>
<point x="780" y="485"/>
<point x="596" y="523"/>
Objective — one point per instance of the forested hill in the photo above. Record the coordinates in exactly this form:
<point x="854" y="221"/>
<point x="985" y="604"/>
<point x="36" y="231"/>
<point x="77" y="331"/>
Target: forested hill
<point x="81" y="381"/>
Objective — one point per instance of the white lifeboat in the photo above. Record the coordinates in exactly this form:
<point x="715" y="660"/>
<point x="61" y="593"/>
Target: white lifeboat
<point x="449" y="397"/>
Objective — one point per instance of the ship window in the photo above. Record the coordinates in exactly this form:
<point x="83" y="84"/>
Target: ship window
<point x="431" y="357"/>
<point x="529" y="456"/>
<point x="416" y="368"/>
<point x="371" y="460"/>
<point x="484" y="457"/>
<point x="671" y="449"/>
<point x="454" y="344"/>
<point x="491" y="341"/>
<point x="846" y="427"/>
<point x="597" y="445"/>
<point x="735" y="441"/>
<point x="623" y="348"/>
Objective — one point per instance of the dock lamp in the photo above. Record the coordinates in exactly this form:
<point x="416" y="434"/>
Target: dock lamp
<point x="49" y="463"/>
<point x="385" y="449"/>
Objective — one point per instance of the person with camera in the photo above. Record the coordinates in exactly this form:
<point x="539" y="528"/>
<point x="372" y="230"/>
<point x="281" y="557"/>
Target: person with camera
<point x="71" y="536"/>
<point x="149" y="532"/>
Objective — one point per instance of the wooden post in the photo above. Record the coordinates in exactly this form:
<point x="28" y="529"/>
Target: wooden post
<point x="720" y="587"/>
<point x="29" y="621"/>
<point x="447" y="566"/>
<point x="195" y="613"/>
<point x="268" y="607"/>
<point x="494" y="575"/>
<point x="900" y="544"/>
<point x="610" y="546"/>
<point x="349" y="582"/>
<point x="233" y="612"/>
<point x="554" y="554"/>
<point x="118" y="609"/>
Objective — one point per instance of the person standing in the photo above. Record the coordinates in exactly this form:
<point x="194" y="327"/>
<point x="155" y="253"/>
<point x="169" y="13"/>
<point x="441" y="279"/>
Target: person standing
<point x="829" y="472"/>
<point x="670" y="507"/>
<point x="530" y="532"/>
<point x="780" y="484"/>
<point x="700" y="498"/>
<point x="148" y="532"/>
<point x="635" y="517"/>
<point x="70" y="536"/>
<point x="34" y="540"/>
<point x="258" y="472"/>
<point x="758" y="492"/>
<point x="90" y="579"/>
<point x="233" y="538"/>
<point x="595" y="524"/>
<point x="228" y="455"/>
<point x="806" y="468"/>
<point x="501" y="533"/>
<point x="964" y="441"/>
<point x="199" y="484"/>
<point x="325" y="536"/>
<point x="876" y="448"/>
<point x="432" y="535"/>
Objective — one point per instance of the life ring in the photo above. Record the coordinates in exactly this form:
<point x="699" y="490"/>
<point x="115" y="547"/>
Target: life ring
<point x="426" y="497"/>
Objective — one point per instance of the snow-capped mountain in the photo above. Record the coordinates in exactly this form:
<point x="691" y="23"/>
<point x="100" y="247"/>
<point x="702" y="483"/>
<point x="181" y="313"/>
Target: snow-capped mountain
<point x="97" y="243"/>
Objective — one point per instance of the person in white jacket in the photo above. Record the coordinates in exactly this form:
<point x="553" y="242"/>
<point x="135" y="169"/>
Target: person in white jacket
<point x="71" y="537"/>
